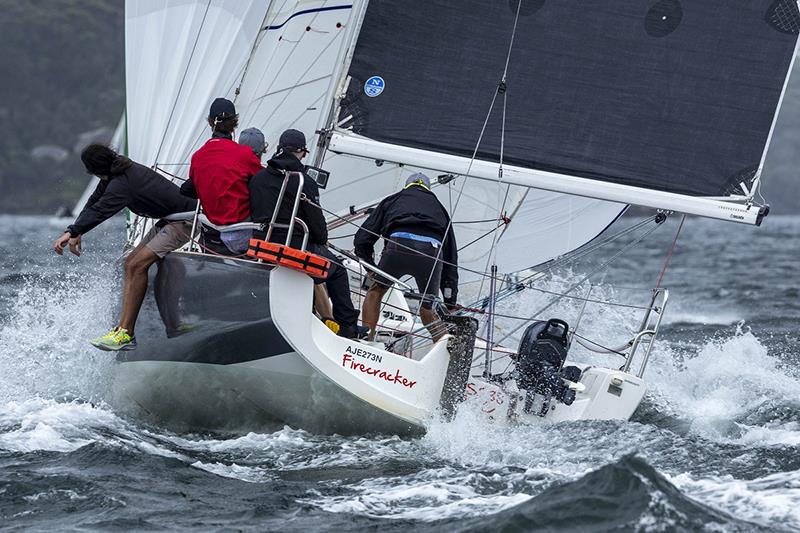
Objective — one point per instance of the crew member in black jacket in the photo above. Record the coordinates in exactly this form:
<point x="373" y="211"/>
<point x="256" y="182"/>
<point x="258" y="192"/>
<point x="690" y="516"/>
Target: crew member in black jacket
<point x="124" y="183"/>
<point x="265" y="187"/>
<point x="419" y="242"/>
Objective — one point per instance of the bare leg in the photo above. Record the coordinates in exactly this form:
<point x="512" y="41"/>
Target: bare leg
<point x="322" y="304"/>
<point x="136" y="266"/>
<point x="429" y="317"/>
<point x="372" y="304"/>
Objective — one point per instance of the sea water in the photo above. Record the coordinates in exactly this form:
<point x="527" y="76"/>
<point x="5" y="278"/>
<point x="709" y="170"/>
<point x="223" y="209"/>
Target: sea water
<point x="713" y="447"/>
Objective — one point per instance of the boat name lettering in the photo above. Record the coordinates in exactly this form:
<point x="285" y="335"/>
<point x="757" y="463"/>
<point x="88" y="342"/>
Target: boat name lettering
<point x="392" y="377"/>
<point x="364" y="354"/>
<point x="392" y="316"/>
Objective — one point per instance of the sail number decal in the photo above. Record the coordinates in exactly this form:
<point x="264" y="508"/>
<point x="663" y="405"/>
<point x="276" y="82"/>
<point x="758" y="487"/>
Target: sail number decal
<point x="374" y="86"/>
<point x="350" y="362"/>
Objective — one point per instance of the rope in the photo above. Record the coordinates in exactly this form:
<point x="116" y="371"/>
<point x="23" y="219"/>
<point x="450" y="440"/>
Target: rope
<point x="669" y="252"/>
<point x="170" y="174"/>
<point x="473" y="241"/>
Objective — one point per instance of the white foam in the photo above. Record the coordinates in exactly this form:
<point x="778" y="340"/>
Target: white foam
<point x="425" y="496"/>
<point x="727" y="378"/>
<point x="47" y="425"/>
<point x="773" y="434"/>
<point x="44" y="350"/>
<point x="770" y="501"/>
<point x="43" y="425"/>
<point x="55" y="494"/>
<point x="235" y="471"/>
<point x="707" y="318"/>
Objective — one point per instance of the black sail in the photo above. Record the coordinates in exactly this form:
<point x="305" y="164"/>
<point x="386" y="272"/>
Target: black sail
<point x="670" y="95"/>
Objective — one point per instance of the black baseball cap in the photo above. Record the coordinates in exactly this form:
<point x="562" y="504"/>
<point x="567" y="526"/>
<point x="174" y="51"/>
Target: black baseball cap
<point x="292" y="140"/>
<point x="222" y="108"/>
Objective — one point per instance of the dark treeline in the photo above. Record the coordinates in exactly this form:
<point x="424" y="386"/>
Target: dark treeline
<point x="63" y="65"/>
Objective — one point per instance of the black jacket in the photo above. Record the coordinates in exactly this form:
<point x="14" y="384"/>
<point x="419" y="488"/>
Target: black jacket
<point x="265" y="187"/>
<point x="412" y="210"/>
<point x="142" y="190"/>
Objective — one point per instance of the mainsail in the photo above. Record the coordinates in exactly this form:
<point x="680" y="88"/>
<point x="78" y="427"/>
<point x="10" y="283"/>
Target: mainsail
<point x="665" y="104"/>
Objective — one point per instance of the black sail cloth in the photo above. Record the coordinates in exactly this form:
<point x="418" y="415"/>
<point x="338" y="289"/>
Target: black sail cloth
<point x="669" y="95"/>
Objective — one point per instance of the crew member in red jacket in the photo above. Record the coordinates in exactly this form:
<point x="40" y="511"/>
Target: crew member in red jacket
<point x="219" y="173"/>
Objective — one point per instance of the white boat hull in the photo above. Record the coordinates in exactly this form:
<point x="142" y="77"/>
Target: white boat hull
<point x="257" y="359"/>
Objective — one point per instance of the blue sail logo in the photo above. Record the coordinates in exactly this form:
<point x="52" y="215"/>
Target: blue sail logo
<point x="374" y="86"/>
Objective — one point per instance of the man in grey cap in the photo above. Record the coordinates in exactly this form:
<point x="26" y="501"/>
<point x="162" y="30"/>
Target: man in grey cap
<point x="419" y="241"/>
<point x="254" y="138"/>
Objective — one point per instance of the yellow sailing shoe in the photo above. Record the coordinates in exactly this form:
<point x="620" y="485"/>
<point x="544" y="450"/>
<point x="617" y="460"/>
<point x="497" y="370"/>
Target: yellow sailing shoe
<point x="115" y="340"/>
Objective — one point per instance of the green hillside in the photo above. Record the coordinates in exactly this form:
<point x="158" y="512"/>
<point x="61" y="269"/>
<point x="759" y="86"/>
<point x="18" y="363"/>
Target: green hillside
<point x="63" y="75"/>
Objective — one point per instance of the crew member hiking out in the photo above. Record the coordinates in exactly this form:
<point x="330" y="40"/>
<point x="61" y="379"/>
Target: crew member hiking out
<point x="417" y="230"/>
<point x="264" y="191"/>
<point x="218" y="176"/>
<point x="124" y="183"/>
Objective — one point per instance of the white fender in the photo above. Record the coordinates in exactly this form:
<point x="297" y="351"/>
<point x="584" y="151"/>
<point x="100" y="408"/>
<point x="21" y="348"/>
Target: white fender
<point x="403" y="387"/>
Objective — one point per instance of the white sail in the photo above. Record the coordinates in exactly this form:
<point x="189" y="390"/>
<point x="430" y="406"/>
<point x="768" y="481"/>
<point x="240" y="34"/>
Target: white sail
<point x="180" y="55"/>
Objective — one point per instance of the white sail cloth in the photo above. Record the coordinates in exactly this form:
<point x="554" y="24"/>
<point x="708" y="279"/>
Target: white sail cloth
<point x="180" y="55"/>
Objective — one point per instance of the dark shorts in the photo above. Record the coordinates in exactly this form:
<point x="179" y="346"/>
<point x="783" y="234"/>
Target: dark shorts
<point x="419" y="262"/>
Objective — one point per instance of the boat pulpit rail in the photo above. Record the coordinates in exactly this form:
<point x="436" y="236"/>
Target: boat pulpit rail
<point x="648" y="331"/>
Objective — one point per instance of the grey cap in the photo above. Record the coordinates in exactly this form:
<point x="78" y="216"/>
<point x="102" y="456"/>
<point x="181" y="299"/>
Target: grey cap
<point x="253" y="138"/>
<point x="418" y="179"/>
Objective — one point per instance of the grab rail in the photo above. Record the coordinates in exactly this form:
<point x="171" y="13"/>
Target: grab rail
<point x="648" y="331"/>
<point x="295" y="207"/>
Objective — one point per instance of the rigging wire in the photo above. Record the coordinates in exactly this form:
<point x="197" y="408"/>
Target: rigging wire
<point x="669" y="252"/>
<point x="565" y="294"/>
<point x="477" y="272"/>
<point x="589" y="275"/>
<point x="183" y="80"/>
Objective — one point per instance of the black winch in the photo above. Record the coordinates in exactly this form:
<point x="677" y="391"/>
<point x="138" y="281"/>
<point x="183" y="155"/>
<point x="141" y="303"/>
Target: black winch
<point x="540" y="364"/>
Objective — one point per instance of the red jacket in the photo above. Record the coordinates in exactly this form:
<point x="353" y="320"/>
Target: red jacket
<point x="220" y="171"/>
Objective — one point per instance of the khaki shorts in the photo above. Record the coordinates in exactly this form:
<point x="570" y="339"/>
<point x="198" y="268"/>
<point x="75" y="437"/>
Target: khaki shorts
<point x="162" y="241"/>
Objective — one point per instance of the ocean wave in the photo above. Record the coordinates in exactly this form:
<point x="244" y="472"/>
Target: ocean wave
<point x="626" y="495"/>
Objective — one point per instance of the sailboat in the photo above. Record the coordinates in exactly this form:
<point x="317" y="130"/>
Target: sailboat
<point x="541" y="123"/>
